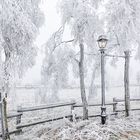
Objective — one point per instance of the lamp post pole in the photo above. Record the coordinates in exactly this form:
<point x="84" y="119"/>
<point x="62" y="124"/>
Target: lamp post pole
<point x="103" y="107"/>
<point x="102" y="42"/>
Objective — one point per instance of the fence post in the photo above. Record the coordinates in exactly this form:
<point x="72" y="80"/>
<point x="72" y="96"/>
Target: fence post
<point x="5" y="119"/>
<point x="114" y="105"/>
<point x="18" y="120"/>
<point x="126" y="83"/>
<point x="2" y="122"/>
<point x="72" y="113"/>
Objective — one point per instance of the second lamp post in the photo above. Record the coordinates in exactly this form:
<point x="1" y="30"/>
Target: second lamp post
<point x="102" y="42"/>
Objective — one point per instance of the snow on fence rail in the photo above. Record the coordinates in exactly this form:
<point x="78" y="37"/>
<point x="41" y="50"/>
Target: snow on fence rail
<point x="27" y="109"/>
<point x="80" y="105"/>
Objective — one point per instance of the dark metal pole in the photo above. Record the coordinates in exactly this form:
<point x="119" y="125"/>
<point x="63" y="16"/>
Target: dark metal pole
<point x="103" y="107"/>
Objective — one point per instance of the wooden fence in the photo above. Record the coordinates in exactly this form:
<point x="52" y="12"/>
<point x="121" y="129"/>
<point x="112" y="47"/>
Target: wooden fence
<point x="22" y="110"/>
<point x="42" y="107"/>
<point x="94" y="105"/>
<point x="72" y="116"/>
<point x="116" y="101"/>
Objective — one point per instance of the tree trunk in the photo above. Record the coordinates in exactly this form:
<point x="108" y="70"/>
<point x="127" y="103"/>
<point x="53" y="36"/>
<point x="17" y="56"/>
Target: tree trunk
<point x="5" y="119"/>
<point x="4" y="122"/>
<point x="6" y="72"/>
<point x="5" y="93"/>
<point x="126" y="84"/>
<point x="82" y="84"/>
<point x="2" y="118"/>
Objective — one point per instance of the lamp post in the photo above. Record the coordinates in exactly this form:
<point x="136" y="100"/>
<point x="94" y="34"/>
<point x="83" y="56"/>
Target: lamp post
<point x="102" y="42"/>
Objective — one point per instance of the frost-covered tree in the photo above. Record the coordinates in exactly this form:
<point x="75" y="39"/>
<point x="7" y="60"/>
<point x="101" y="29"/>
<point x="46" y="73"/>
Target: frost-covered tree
<point x="55" y="66"/>
<point x="123" y="20"/>
<point x="123" y="24"/>
<point x="81" y="15"/>
<point x="95" y="73"/>
<point x="19" y="24"/>
<point x="82" y="19"/>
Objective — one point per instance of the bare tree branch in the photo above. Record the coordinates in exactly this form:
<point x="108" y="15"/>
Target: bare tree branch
<point x="74" y="58"/>
<point x="63" y="42"/>
<point x="68" y="41"/>
<point x="118" y="43"/>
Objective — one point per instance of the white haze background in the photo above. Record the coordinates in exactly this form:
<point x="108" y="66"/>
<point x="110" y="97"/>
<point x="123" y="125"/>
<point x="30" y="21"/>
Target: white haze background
<point x="33" y="77"/>
<point x="52" y="24"/>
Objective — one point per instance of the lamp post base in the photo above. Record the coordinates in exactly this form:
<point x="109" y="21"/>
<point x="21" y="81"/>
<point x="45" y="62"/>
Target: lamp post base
<point x="103" y="119"/>
<point x="103" y="114"/>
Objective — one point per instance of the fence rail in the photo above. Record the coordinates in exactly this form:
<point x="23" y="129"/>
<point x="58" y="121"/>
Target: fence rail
<point x="42" y="121"/>
<point x="133" y="109"/>
<point x="122" y="100"/>
<point x="27" y="109"/>
<point x="107" y="104"/>
<point x="13" y="115"/>
<point x="13" y="132"/>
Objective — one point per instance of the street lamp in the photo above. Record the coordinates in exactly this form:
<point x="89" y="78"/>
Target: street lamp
<point x="102" y="42"/>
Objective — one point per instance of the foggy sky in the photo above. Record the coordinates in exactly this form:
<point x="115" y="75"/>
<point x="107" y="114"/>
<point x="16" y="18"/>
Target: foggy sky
<point x="52" y="23"/>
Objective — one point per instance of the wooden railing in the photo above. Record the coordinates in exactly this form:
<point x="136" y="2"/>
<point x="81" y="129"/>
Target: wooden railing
<point x="93" y="105"/>
<point x="42" y="107"/>
<point x="27" y="109"/>
<point x="21" y="110"/>
<point x="116" y="101"/>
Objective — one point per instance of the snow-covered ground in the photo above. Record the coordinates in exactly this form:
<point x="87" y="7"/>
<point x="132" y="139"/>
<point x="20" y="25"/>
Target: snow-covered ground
<point x="117" y="128"/>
